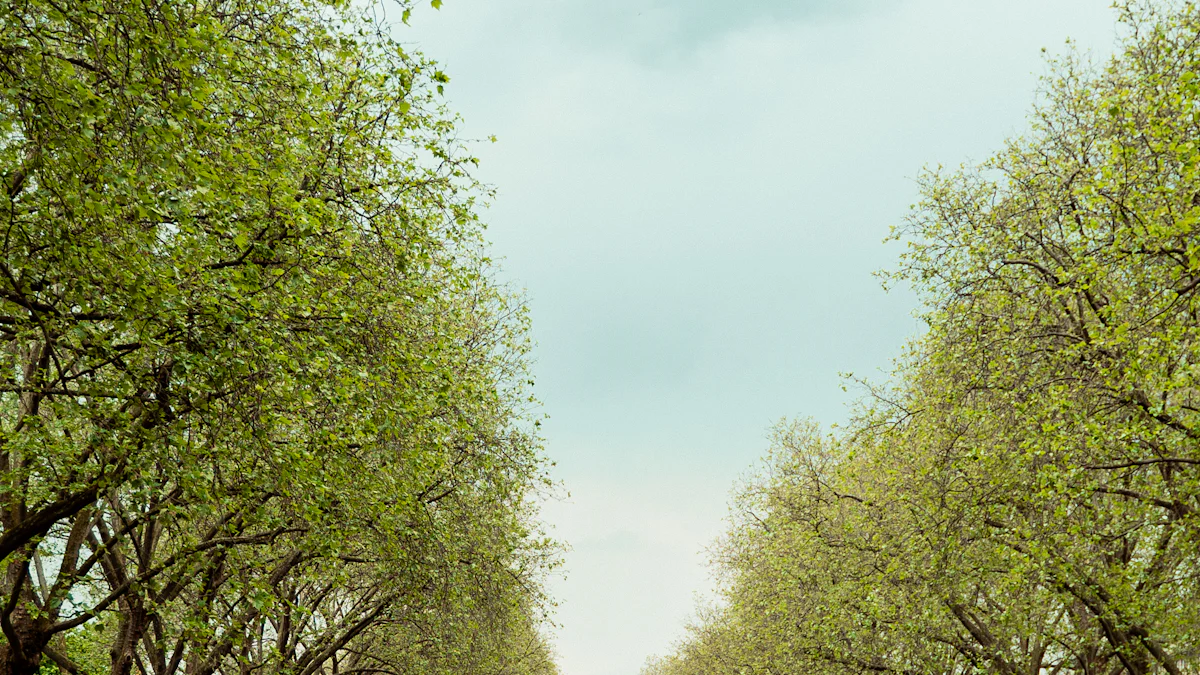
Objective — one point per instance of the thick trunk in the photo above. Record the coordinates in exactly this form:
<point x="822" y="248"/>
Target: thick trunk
<point x="25" y="658"/>
<point x="12" y="663"/>
<point x="133" y="627"/>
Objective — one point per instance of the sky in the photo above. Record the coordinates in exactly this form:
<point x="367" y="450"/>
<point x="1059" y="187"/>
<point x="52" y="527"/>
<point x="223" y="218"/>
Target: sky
<point x="693" y="196"/>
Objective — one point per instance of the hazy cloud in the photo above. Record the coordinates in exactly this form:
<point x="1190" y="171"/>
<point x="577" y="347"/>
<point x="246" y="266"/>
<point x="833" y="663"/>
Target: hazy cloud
<point x="694" y="194"/>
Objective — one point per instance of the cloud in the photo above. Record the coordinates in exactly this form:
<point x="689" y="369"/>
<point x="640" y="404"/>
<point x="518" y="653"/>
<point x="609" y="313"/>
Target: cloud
<point x="695" y="198"/>
<point x="658" y="30"/>
<point x="623" y="532"/>
<point x="650" y="32"/>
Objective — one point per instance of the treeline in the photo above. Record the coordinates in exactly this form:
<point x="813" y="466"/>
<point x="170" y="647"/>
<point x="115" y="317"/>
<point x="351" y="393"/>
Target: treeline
<point x="262" y="407"/>
<point x="1023" y="498"/>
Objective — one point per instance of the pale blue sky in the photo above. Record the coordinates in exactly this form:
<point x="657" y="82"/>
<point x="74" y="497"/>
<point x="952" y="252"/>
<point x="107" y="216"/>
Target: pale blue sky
<point x="694" y="195"/>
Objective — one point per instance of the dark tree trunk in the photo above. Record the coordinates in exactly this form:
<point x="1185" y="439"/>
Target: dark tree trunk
<point x="26" y="657"/>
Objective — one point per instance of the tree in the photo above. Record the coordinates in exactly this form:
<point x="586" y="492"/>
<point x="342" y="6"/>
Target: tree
<point x="1023" y="498"/>
<point x="261" y="401"/>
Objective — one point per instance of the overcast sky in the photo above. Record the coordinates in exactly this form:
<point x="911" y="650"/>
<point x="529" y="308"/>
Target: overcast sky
<point x="694" y="195"/>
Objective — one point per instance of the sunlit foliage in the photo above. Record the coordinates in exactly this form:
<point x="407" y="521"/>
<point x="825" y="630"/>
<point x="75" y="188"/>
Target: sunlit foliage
<point x="1023" y="498"/>
<point x="262" y="408"/>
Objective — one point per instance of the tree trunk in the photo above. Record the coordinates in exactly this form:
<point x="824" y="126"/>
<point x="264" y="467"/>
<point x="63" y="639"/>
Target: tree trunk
<point x="26" y="657"/>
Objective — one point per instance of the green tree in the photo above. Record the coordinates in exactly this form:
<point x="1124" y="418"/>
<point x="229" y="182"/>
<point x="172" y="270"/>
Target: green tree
<point x="1023" y="499"/>
<point x="262" y="405"/>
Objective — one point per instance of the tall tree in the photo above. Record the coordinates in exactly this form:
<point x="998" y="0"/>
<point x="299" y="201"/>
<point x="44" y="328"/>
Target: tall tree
<point x="261" y="401"/>
<point x="1024" y="498"/>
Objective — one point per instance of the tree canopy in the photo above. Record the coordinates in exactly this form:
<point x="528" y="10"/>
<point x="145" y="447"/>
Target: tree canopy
<point x="1023" y="497"/>
<point x="263" y="407"/>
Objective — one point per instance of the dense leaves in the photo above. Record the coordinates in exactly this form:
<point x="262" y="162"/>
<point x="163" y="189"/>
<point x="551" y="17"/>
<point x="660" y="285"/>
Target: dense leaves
<point x="262" y="406"/>
<point x="1024" y="498"/>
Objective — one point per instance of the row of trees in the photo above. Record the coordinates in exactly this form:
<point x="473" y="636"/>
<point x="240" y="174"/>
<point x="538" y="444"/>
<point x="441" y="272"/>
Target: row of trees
<point x="1024" y="498"/>
<point x="262" y="407"/>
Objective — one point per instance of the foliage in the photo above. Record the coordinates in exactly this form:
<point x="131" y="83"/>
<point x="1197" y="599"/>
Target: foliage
<point x="262" y="405"/>
<point x="1024" y="498"/>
